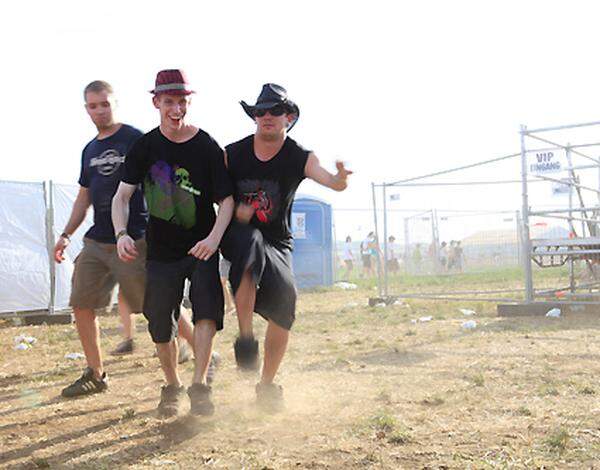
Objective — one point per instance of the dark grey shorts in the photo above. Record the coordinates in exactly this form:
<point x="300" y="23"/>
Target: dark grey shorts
<point x="271" y="267"/>
<point x="164" y="292"/>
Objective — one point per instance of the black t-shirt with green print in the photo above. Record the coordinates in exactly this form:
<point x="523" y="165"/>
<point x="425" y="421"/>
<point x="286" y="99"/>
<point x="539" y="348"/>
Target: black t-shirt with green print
<point x="181" y="181"/>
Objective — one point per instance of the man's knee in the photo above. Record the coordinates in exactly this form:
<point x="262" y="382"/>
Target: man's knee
<point x="206" y="327"/>
<point x="83" y="314"/>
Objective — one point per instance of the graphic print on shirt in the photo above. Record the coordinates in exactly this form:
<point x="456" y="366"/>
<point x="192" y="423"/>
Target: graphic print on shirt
<point x="170" y="194"/>
<point x="108" y="162"/>
<point x="263" y="196"/>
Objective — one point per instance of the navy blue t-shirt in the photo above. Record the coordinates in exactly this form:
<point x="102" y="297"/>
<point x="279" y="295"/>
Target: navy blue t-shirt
<point x="101" y="172"/>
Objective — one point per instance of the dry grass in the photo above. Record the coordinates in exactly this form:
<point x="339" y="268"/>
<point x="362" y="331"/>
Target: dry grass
<point x="364" y="387"/>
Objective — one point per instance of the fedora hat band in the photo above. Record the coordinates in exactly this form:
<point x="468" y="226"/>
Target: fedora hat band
<point x="170" y="87"/>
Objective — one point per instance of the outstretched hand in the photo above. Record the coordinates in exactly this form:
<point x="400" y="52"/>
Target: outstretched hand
<point x="342" y="172"/>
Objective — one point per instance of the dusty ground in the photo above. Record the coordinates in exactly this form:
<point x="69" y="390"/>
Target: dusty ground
<point x="365" y="387"/>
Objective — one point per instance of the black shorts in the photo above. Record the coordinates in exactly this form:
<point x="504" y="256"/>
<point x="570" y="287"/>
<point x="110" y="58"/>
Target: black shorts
<point x="164" y="291"/>
<point x="271" y="267"/>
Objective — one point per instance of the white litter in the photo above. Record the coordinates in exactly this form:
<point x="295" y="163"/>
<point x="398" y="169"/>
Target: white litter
<point x="215" y="358"/>
<point x="160" y="463"/>
<point x="398" y="302"/>
<point x="22" y="346"/>
<point x="553" y="313"/>
<point x="345" y="285"/>
<point x="413" y="321"/>
<point x="380" y="305"/>
<point x="466" y="312"/>
<point x="25" y="339"/>
<point x="425" y="319"/>
<point x="74" y="356"/>
<point x="469" y="325"/>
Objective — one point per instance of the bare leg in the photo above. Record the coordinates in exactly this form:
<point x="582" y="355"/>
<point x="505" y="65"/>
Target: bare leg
<point x="127" y="318"/>
<point x="245" y="297"/>
<point x="229" y="304"/>
<point x="276" y="340"/>
<point x="186" y="329"/>
<point x="204" y="332"/>
<point x="168" y="353"/>
<point x="89" y="335"/>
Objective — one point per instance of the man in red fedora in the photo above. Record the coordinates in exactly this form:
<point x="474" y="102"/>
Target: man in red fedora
<point x="266" y="169"/>
<point x="182" y="172"/>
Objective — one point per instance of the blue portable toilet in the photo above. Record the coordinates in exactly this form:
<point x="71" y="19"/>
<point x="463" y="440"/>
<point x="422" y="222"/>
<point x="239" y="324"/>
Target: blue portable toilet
<point x="313" y="242"/>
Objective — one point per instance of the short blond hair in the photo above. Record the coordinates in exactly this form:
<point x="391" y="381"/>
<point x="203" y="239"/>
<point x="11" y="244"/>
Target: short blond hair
<point x="96" y="87"/>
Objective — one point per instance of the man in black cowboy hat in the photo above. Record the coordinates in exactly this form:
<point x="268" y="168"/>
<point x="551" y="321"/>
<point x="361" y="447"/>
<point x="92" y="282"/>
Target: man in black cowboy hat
<point x="266" y="169"/>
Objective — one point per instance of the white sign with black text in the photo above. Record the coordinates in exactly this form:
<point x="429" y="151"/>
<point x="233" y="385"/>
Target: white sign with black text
<point x="299" y="225"/>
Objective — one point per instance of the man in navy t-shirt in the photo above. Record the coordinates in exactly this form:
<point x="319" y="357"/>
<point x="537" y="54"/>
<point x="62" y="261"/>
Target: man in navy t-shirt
<point x="98" y="268"/>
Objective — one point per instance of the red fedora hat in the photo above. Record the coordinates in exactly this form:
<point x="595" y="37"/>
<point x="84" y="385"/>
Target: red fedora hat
<point x="173" y="82"/>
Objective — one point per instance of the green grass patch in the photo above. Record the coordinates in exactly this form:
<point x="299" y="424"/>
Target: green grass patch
<point x="558" y="440"/>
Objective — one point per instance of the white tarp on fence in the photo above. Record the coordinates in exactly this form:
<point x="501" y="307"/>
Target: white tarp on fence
<point x="24" y="262"/>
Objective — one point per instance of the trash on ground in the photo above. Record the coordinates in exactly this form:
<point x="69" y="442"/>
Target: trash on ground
<point x="425" y="319"/>
<point x="380" y="305"/>
<point x="398" y="302"/>
<point x="74" y="356"/>
<point x="22" y="346"/>
<point x="160" y="463"/>
<point x="25" y="339"/>
<point x="553" y="313"/>
<point x="469" y="325"/>
<point x="345" y="285"/>
<point x="215" y="358"/>
<point x="466" y="312"/>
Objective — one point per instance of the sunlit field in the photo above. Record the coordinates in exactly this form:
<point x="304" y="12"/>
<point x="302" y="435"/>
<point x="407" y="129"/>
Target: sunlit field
<point x="365" y="387"/>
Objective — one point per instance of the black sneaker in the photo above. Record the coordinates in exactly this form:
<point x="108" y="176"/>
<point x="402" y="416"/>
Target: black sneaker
<point x="269" y="397"/>
<point x="170" y="400"/>
<point x="87" y="384"/>
<point x="200" y="403"/>
<point x="246" y="353"/>
<point x="124" y="347"/>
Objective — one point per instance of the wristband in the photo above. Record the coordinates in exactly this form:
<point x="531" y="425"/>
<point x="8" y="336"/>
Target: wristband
<point x="120" y="234"/>
<point x="65" y="235"/>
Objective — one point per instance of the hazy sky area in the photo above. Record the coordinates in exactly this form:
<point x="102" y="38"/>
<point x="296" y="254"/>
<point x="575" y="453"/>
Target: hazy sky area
<point x="395" y="89"/>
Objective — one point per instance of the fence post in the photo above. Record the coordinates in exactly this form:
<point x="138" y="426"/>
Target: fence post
<point x="526" y="247"/>
<point x="50" y="241"/>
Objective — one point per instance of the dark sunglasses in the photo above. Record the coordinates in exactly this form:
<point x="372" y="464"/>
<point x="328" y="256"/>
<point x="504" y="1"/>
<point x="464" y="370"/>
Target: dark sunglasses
<point x="276" y="110"/>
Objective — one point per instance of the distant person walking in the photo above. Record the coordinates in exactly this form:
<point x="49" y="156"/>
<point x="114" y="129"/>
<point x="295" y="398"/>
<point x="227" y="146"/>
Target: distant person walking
<point x="348" y="257"/>
<point x="366" y="253"/>
<point x="443" y="256"/>
<point x="392" y="260"/>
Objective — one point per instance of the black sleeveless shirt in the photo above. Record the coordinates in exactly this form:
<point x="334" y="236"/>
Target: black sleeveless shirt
<point x="268" y="186"/>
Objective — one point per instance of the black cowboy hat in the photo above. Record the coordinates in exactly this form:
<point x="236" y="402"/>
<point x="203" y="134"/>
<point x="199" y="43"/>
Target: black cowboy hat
<point x="272" y="95"/>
